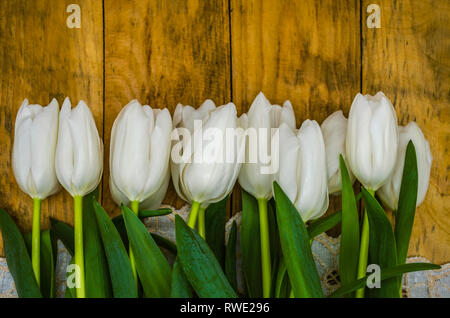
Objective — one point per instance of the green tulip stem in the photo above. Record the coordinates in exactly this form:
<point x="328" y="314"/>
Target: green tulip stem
<point x="135" y="208"/>
<point x="363" y="250"/>
<point x="193" y="214"/>
<point x="78" y="229"/>
<point x="265" y="247"/>
<point x="201" y="222"/>
<point x="36" y="240"/>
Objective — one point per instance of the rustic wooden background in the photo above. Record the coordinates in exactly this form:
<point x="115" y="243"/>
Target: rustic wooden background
<point x="318" y="54"/>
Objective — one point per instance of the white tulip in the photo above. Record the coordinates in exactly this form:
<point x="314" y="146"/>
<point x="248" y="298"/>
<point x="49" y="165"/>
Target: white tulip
<point x="207" y="170"/>
<point x="79" y="152"/>
<point x="334" y="130"/>
<point x="390" y="191"/>
<point x="263" y="118"/>
<point x="372" y="139"/>
<point x="33" y="157"/>
<point x="139" y="155"/>
<point x="303" y="169"/>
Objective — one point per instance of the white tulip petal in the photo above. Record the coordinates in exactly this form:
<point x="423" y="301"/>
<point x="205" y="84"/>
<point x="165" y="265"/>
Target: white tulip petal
<point x="289" y="159"/>
<point x="334" y="130"/>
<point x="44" y="132"/>
<point x="159" y="153"/>
<point x="311" y="172"/>
<point x="389" y="193"/>
<point x="79" y="152"/>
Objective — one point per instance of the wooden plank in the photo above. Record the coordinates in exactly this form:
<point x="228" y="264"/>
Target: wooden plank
<point x="40" y="59"/>
<point x="304" y="51"/>
<point x="408" y="59"/>
<point x="163" y="53"/>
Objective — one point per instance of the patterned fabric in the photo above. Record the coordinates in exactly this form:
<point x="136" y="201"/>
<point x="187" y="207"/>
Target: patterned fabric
<point x="325" y="251"/>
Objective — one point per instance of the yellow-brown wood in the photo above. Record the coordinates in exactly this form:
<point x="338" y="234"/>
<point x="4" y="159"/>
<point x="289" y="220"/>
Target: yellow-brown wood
<point x="408" y="59"/>
<point x="164" y="53"/>
<point x="304" y="51"/>
<point x="40" y="59"/>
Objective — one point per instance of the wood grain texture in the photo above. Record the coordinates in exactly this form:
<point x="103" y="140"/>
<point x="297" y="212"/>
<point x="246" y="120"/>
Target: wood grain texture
<point x="163" y="53"/>
<point x="408" y="59"/>
<point x="40" y="59"/>
<point x="304" y="51"/>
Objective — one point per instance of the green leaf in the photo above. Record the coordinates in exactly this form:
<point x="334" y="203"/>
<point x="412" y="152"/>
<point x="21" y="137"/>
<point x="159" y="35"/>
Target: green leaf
<point x="64" y="232"/>
<point x="404" y="217"/>
<point x="382" y="247"/>
<point x="165" y="243"/>
<point x="349" y="246"/>
<point x="230" y="258"/>
<point x="251" y="245"/>
<point x="47" y="265"/>
<point x="274" y="238"/>
<point x="324" y="224"/>
<point x="98" y="284"/>
<point x="282" y="285"/>
<point x="153" y="270"/>
<point x="296" y="248"/>
<point x="17" y="258"/>
<point x="215" y="219"/>
<point x="386" y="273"/>
<point x="123" y="282"/>
<point x="161" y="241"/>
<point x="199" y="263"/>
<point x="180" y="284"/>
<point x="153" y="213"/>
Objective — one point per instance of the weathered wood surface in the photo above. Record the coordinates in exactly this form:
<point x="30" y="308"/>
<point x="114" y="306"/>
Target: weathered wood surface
<point x="317" y="54"/>
<point x="41" y="59"/>
<point x="408" y="58"/>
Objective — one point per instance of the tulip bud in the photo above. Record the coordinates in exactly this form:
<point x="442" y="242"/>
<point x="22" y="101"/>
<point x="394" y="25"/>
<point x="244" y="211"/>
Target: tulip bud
<point x="33" y="156"/>
<point x="262" y="118"/>
<point x="390" y="191"/>
<point x="79" y="152"/>
<point x="372" y="139"/>
<point x="139" y="154"/>
<point x="207" y="169"/>
<point x="334" y="130"/>
<point x="303" y="169"/>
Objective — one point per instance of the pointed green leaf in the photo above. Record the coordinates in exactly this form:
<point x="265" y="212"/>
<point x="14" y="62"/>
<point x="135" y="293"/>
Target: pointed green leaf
<point x="251" y="245"/>
<point x="404" y="217"/>
<point x="47" y="265"/>
<point x="274" y="238"/>
<point x="282" y="285"/>
<point x="349" y="246"/>
<point x="153" y="270"/>
<point x="382" y="247"/>
<point x="230" y="258"/>
<point x="153" y="213"/>
<point x="159" y="240"/>
<point x="180" y="284"/>
<point x="122" y="280"/>
<point x="215" y="219"/>
<point x="165" y="243"/>
<point x="17" y="258"/>
<point x="64" y="232"/>
<point x="296" y="248"/>
<point x="324" y="224"/>
<point x="199" y="263"/>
